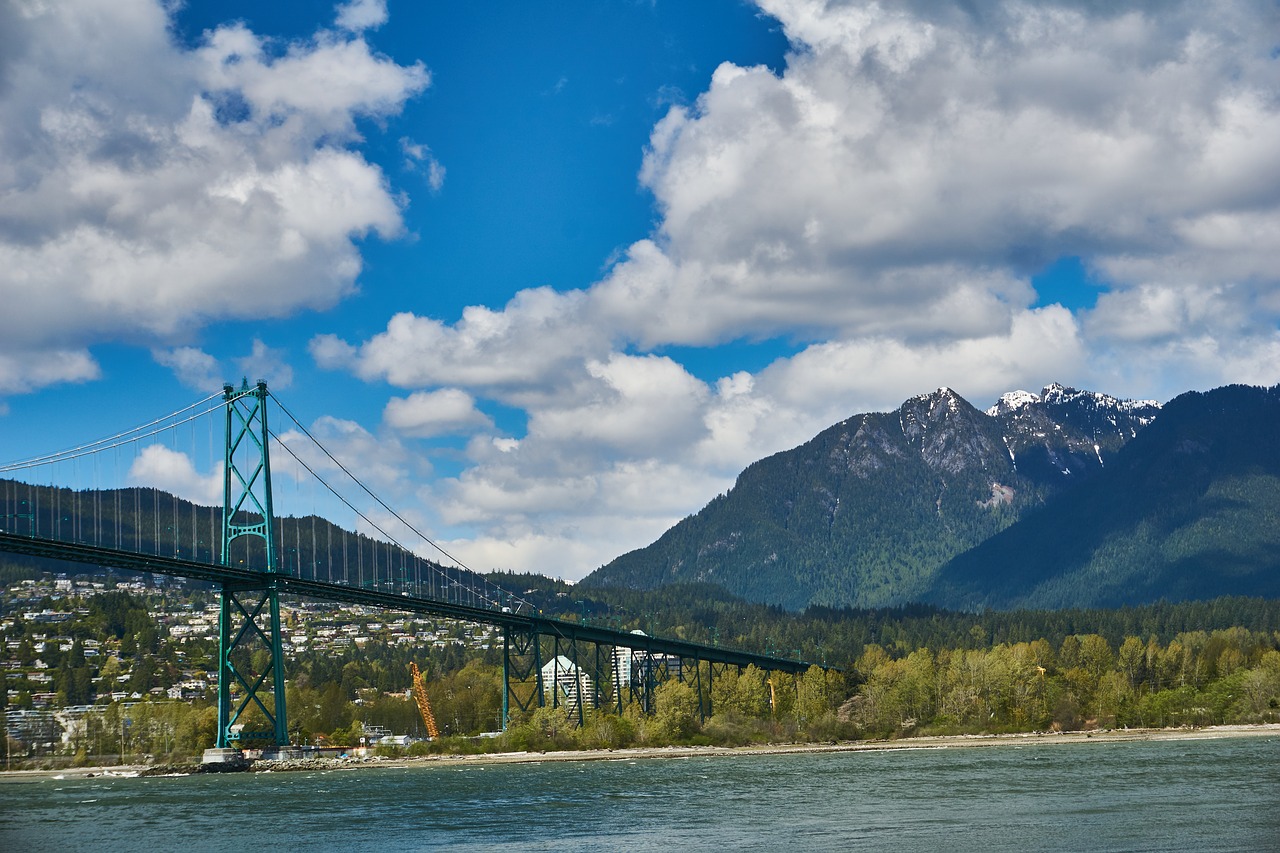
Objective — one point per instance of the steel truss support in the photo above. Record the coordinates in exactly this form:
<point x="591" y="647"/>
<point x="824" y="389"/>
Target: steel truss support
<point x="576" y="704"/>
<point x="249" y="618"/>
<point x="602" y="685"/>
<point x="704" y="696"/>
<point x="640" y="690"/>
<point x="648" y="670"/>
<point x="521" y="673"/>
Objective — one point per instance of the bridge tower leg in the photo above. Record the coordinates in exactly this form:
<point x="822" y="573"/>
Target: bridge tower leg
<point x="522" y="688"/>
<point x="249" y="619"/>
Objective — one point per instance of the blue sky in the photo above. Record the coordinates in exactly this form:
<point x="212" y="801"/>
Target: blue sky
<point x="555" y="273"/>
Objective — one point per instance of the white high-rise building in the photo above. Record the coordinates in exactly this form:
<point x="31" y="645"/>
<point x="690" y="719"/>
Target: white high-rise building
<point x="565" y="684"/>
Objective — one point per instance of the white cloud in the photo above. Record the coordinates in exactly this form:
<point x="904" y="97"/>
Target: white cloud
<point x="382" y="462"/>
<point x="424" y="414"/>
<point x="268" y="364"/>
<point x="909" y="170"/>
<point x="361" y="15"/>
<point x="194" y="367"/>
<point x="181" y="186"/>
<point x="1044" y="342"/>
<point x="32" y="369"/>
<point x="415" y="154"/>
<point x="568" y="526"/>
<point x="637" y="406"/>
<point x="908" y="163"/>
<point x="529" y="345"/>
<point x="159" y="467"/>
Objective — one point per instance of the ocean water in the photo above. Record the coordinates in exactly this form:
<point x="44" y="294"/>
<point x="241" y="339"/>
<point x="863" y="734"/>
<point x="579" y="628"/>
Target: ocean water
<point x="1190" y="795"/>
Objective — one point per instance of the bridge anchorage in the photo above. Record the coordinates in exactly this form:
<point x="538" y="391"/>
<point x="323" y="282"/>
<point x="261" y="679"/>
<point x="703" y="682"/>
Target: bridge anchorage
<point x="546" y="661"/>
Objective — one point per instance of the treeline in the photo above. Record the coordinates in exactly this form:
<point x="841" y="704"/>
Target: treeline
<point x="1198" y="678"/>
<point x="838" y="636"/>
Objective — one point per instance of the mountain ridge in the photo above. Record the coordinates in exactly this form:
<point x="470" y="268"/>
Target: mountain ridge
<point x="925" y="482"/>
<point x="1190" y="511"/>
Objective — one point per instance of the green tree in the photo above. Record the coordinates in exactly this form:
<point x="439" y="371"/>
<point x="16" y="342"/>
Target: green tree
<point x="741" y="694"/>
<point x="675" y="715"/>
<point x="815" y="697"/>
<point x="606" y="731"/>
<point x="1132" y="661"/>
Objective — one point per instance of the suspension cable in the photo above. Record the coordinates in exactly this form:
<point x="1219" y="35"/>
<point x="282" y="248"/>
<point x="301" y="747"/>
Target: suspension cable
<point x="366" y="489"/>
<point x="53" y="457"/>
<point x="99" y="446"/>
<point x="380" y="502"/>
<point x="392" y="540"/>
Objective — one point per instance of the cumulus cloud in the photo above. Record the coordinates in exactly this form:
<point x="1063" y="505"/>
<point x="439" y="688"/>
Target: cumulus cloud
<point x="268" y="364"/>
<point x="361" y="15"/>
<point x="911" y="166"/>
<point x="159" y="467"/>
<point x="193" y="367"/>
<point x="424" y="414"/>
<point x="883" y="203"/>
<point x="530" y="344"/>
<point x="35" y="368"/>
<point x="1044" y="342"/>
<point x="382" y="462"/>
<point x="638" y="406"/>
<point x="181" y="186"/>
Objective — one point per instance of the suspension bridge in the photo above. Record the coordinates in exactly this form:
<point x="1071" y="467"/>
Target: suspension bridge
<point x="60" y="510"/>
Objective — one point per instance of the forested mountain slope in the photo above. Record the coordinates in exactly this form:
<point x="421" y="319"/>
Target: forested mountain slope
<point x="1190" y="509"/>
<point x="866" y="512"/>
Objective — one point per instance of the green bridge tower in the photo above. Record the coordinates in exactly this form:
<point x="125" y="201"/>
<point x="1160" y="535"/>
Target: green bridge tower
<point x="249" y="618"/>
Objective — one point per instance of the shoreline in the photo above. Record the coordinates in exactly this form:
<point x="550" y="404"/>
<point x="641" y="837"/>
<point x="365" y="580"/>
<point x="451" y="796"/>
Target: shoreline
<point x="648" y="753"/>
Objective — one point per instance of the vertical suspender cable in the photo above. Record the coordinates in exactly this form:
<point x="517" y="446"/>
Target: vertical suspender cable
<point x="119" y="481"/>
<point x="137" y="509"/>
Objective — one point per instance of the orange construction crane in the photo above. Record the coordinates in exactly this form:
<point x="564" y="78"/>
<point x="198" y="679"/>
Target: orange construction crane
<point x="424" y="705"/>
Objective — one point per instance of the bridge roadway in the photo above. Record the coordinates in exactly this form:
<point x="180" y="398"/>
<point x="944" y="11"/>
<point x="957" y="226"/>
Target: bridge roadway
<point x="250" y="579"/>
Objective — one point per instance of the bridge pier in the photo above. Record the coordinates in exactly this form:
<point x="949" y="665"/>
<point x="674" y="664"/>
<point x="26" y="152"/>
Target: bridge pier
<point x="224" y="758"/>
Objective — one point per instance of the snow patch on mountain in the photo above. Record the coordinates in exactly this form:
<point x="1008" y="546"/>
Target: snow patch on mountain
<point x="1011" y="401"/>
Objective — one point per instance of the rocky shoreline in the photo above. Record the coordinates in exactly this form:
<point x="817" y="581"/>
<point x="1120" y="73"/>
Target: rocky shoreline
<point x="649" y="753"/>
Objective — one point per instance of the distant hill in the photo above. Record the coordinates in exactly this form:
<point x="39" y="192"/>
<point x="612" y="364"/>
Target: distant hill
<point x="867" y="512"/>
<point x="1189" y="510"/>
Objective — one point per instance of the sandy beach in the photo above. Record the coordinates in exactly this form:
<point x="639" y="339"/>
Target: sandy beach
<point x="651" y="753"/>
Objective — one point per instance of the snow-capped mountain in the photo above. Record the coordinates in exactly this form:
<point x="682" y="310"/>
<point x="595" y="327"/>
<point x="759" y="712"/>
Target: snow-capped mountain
<point x="866" y="512"/>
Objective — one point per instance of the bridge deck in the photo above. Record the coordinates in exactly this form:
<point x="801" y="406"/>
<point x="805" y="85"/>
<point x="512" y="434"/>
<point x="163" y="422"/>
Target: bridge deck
<point x="249" y="579"/>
